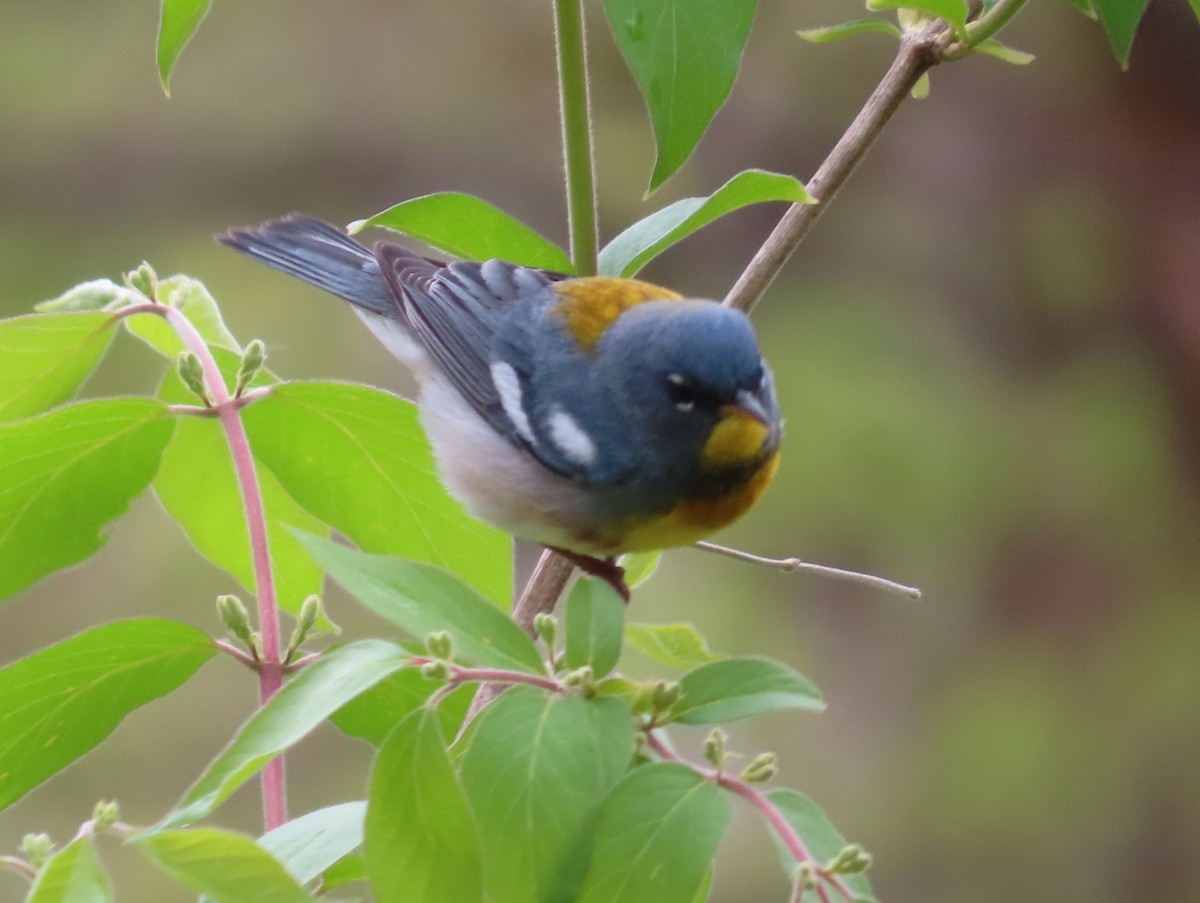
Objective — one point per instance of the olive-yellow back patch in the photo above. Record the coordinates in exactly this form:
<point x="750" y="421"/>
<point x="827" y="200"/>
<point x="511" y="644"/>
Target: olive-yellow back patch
<point x="591" y="305"/>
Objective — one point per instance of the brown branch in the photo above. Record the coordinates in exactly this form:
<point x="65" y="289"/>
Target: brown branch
<point x="547" y="583"/>
<point x="919" y="51"/>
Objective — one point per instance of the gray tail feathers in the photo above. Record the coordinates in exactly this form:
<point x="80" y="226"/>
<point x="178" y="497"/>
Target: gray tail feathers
<point x="319" y="254"/>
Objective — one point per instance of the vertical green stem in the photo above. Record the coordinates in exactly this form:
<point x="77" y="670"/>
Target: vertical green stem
<point x="577" y="133"/>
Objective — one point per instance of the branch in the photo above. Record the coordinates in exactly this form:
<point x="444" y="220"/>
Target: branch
<point x="239" y="402"/>
<point x="270" y="670"/>
<point x="20" y="866"/>
<point x="919" y="51"/>
<point x="824" y="570"/>
<point x="986" y="26"/>
<point x="766" y="808"/>
<point x="240" y="654"/>
<point x="460" y="675"/>
<point x="545" y="585"/>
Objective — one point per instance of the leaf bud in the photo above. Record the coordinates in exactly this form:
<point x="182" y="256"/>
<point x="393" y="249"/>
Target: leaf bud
<point x="804" y="878"/>
<point x="440" y="645"/>
<point x="235" y="618"/>
<point x="583" y="678"/>
<point x="546" y="627"/>
<point x="714" y="747"/>
<point x="310" y="610"/>
<point x="143" y="280"/>
<point x="252" y="361"/>
<point x="850" y="860"/>
<point x="664" y="694"/>
<point x="106" y="814"/>
<point x="192" y="374"/>
<point x="37" y="848"/>
<point x="761" y="768"/>
<point x="439" y="669"/>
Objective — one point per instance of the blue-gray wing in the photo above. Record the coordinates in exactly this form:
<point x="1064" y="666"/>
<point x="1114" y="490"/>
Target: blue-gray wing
<point x="459" y="313"/>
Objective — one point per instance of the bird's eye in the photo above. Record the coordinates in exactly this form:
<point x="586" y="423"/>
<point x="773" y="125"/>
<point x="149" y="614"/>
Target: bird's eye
<point x="687" y="395"/>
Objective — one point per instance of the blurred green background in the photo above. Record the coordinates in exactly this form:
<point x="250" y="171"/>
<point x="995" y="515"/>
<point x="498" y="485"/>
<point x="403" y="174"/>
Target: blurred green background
<point x="988" y="353"/>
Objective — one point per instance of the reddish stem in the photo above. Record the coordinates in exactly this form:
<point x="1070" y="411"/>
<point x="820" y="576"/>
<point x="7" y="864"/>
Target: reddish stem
<point x="460" y="675"/>
<point x="270" y="670"/>
<point x="759" y="801"/>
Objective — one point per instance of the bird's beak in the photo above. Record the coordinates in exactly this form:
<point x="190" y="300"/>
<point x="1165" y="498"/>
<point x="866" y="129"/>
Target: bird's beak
<point x="751" y="403"/>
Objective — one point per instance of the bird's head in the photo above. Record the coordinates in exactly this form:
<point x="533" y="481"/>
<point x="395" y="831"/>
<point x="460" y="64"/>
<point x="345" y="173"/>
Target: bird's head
<point x="693" y="378"/>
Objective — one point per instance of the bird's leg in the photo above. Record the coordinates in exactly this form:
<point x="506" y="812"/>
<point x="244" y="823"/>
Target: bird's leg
<point x="606" y="569"/>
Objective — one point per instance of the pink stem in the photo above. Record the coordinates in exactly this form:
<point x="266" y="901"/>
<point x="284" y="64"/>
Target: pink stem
<point x="759" y="801"/>
<point x="460" y="675"/>
<point x="270" y="671"/>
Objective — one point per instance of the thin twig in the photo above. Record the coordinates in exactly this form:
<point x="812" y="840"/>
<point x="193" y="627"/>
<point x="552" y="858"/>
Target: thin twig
<point x="238" y="653"/>
<point x="498" y="675"/>
<point x="20" y="866"/>
<point x="87" y="829"/>
<point x="759" y="801"/>
<point x="212" y="411"/>
<point x="986" y="26"/>
<point x="303" y="662"/>
<point x="917" y="54"/>
<point x="824" y="570"/>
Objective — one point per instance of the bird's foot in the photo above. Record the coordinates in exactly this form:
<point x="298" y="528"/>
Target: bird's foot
<point x="606" y="569"/>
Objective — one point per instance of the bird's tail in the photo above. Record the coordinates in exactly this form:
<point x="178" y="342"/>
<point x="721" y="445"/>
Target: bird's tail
<point x="319" y="254"/>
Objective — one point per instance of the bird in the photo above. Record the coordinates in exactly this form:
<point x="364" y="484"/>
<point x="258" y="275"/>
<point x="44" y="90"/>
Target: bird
<point x="592" y="415"/>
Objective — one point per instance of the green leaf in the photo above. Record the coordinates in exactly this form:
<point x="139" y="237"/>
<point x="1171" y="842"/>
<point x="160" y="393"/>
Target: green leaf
<point x="953" y="11"/>
<point x="1195" y="6"/>
<point x="626" y="254"/>
<point x="197" y="485"/>
<point x="66" y="474"/>
<point x="1085" y="7"/>
<point x="470" y="228"/>
<point x="230" y="868"/>
<point x="72" y="875"/>
<point x="536" y="771"/>
<point x="833" y="33"/>
<point x="595" y="621"/>
<point x="819" y="835"/>
<point x="920" y="90"/>
<point x="992" y="47"/>
<point x="657" y="836"/>
<point x="349" y="868"/>
<point x="190" y="297"/>
<point x="1120" y="19"/>
<point x="179" y="21"/>
<point x="95" y="295"/>
<point x="45" y="358"/>
<point x="60" y="702"/>
<point x="421" y="839"/>
<point x="684" y="56"/>
<point x="421" y="599"/>
<point x="674" y="645"/>
<point x="357" y="458"/>
<point x="318" y="691"/>
<point x="640" y="566"/>
<point x="736" y="688"/>
<point x="371" y="715"/>
<point x="308" y="845"/>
